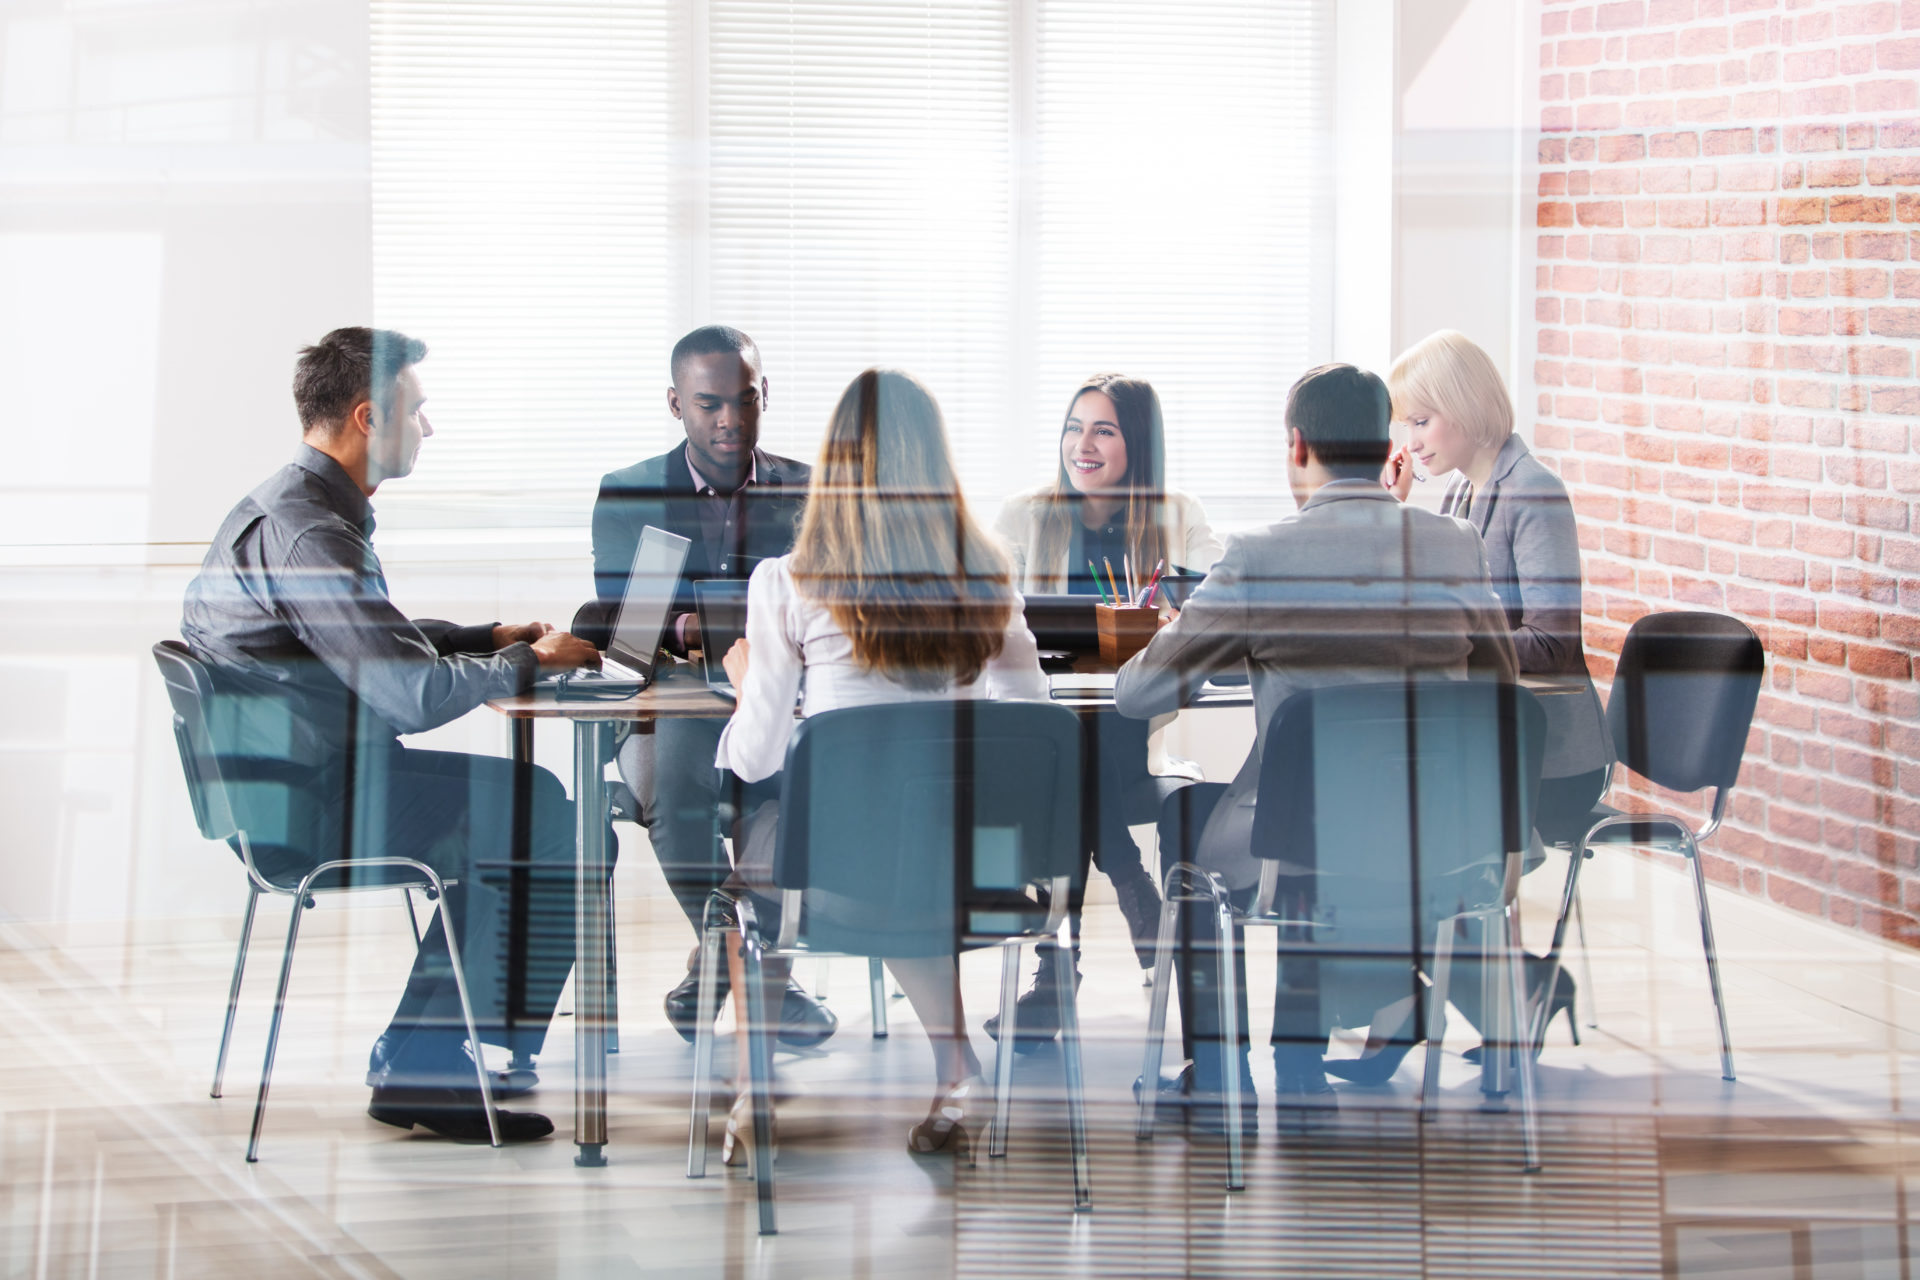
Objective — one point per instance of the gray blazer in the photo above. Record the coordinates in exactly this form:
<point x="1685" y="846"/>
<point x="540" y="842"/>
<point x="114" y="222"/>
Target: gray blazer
<point x="1354" y="587"/>
<point x="1533" y="555"/>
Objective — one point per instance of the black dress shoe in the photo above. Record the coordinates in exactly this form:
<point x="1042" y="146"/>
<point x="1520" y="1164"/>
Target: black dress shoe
<point x="453" y="1113"/>
<point x="1176" y="1087"/>
<point x="1301" y="1081"/>
<point x="804" y="1020"/>
<point x="504" y="1084"/>
<point x="683" y="1002"/>
<point x="1037" y="1014"/>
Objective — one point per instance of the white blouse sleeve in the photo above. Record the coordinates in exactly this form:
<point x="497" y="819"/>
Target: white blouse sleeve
<point x="1203" y="550"/>
<point x="1015" y="671"/>
<point x="754" y="743"/>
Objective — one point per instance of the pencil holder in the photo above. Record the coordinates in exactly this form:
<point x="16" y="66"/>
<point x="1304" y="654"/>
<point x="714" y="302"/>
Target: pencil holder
<point x="1124" y="630"/>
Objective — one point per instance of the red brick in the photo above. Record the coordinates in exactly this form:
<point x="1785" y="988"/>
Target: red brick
<point x="1885" y="95"/>
<point x="1894" y="322"/>
<point x="1551" y="214"/>
<point x="1788" y="211"/>
<point x="1898" y="55"/>
<point x="1886" y="246"/>
<point x="1859" y="209"/>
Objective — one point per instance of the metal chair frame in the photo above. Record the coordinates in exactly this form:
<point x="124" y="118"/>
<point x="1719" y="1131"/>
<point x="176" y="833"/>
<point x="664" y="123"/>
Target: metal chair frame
<point x="214" y="816"/>
<point x="1684" y="841"/>
<point x="727" y="912"/>
<point x="1186" y="882"/>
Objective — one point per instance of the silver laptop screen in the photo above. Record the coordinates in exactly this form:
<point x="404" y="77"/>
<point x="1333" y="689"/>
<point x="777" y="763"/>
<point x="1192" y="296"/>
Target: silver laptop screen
<point x="650" y="588"/>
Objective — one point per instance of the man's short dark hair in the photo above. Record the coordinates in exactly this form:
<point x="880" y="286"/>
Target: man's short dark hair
<point x="712" y="340"/>
<point x="348" y="366"/>
<point x="1343" y="411"/>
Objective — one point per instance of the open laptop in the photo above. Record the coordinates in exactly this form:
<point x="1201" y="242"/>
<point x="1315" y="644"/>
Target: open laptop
<point x="642" y="619"/>
<point x="722" y="604"/>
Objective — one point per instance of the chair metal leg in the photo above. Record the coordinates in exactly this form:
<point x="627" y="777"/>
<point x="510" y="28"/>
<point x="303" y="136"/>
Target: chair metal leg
<point x="413" y="920"/>
<point x="760" y="1079"/>
<point x="1437" y="1018"/>
<point x="1500" y="1036"/>
<point x="1569" y="902"/>
<point x="1076" y="1082"/>
<point x="877" y="981"/>
<point x="1003" y="1051"/>
<point x="1586" y="967"/>
<point x="1230" y="1049"/>
<point x="300" y="903"/>
<point x="1713" y="956"/>
<point x="1523" y="1056"/>
<point x="233" y="992"/>
<point x="709" y="986"/>
<point x="1157" y="1014"/>
<point x="447" y="924"/>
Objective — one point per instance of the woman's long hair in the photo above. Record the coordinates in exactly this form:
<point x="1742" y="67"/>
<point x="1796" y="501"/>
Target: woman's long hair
<point x="1138" y="409"/>
<point x="887" y="544"/>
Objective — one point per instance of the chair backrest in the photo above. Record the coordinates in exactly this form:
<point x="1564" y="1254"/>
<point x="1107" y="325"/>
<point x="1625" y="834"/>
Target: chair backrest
<point x="1402" y="788"/>
<point x="190" y="690"/>
<point x="1683" y="696"/>
<point x="894" y="817"/>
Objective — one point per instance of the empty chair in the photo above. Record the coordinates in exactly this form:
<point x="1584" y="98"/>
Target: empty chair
<point x="1682" y="701"/>
<point x="910" y="829"/>
<point x="1388" y="813"/>
<point x="212" y="782"/>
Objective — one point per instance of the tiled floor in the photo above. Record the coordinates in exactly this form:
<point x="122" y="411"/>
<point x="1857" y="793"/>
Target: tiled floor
<point x="117" y="1163"/>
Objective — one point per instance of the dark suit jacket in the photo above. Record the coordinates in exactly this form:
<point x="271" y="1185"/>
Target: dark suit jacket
<point x="660" y="492"/>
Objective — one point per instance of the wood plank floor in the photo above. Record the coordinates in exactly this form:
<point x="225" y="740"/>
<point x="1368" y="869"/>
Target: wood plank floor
<point x="116" y="1162"/>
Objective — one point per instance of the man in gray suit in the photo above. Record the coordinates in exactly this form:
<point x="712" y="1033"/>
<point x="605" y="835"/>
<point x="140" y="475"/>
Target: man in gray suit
<point x="1354" y="587"/>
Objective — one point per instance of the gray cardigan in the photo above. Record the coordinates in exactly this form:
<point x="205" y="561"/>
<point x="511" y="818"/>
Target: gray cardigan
<point x="1526" y="521"/>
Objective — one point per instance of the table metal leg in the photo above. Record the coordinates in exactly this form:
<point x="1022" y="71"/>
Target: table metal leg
<point x="590" y="739"/>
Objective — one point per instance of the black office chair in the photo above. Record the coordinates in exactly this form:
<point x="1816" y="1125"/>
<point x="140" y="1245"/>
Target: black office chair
<point x="1682" y="701"/>
<point x="911" y="829"/>
<point x="224" y="787"/>
<point x="1396" y="793"/>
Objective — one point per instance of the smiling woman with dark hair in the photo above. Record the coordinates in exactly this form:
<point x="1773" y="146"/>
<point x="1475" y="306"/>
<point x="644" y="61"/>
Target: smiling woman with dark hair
<point x="1108" y="504"/>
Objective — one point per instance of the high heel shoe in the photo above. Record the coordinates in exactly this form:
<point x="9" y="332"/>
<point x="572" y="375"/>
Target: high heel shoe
<point x="737" y="1147"/>
<point x="1377" y="1065"/>
<point x="945" y="1128"/>
<point x="1563" y="1001"/>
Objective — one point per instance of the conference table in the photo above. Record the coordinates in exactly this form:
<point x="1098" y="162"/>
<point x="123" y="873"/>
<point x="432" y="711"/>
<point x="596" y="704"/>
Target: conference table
<point x="682" y="694"/>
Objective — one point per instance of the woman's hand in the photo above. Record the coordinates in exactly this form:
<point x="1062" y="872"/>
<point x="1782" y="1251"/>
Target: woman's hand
<point x="1397" y="476"/>
<point x="735" y="662"/>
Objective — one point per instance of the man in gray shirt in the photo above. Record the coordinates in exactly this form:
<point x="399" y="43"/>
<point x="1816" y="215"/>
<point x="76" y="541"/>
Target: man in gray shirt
<point x="315" y="670"/>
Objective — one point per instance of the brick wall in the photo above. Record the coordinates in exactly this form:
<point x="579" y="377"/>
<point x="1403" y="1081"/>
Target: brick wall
<point x="1727" y="306"/>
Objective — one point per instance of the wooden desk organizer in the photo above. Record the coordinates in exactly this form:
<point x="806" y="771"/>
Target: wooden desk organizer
<point x="1124" y="630"/>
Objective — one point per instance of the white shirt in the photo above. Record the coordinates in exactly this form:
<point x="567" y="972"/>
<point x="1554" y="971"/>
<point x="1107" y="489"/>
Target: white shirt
<point x="790" y="633"/>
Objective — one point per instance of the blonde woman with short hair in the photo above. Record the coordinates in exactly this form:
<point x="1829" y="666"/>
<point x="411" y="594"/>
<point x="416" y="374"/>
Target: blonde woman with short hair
<point x="1459" y="421"/>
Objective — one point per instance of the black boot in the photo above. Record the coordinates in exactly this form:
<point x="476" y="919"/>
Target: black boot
<point x="1037" y="1017"/>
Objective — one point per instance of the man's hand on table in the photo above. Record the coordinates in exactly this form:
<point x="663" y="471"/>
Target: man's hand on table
<point x="559" y="651"/>
<point x="524" y="633"/>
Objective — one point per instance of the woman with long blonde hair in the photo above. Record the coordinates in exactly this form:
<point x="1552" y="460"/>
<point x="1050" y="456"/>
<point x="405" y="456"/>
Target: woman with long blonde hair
<point x="892" y="593"/>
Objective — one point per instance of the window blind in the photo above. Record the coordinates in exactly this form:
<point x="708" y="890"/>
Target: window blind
<point x="520" y="228"/>
<point x="1182" y="226"/>
<point x="860" y="205"/>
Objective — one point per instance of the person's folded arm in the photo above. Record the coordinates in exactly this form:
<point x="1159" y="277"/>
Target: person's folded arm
<point x="377" y="651"/>
<point x="754" y="743"/>
<point x="1210" y="635"/>
<point x="1546" y="562"/>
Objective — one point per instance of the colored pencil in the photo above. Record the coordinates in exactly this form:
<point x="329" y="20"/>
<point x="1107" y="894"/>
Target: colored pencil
<point x="1099" y="586"/>
<point x="1110" y="579"/>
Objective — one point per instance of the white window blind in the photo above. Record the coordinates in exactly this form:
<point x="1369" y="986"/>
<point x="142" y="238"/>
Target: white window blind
<point x="860" y="205"/>
<point x="1002" y="196"/>
<point x="1182" y="226"/>
<point x="520" y="228"/>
